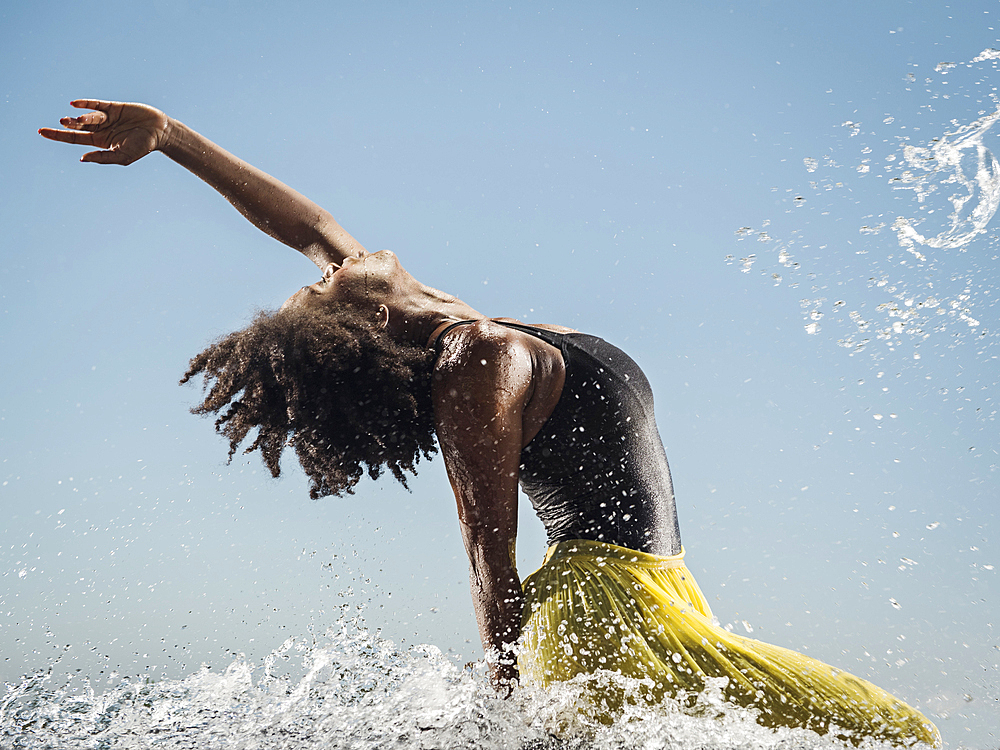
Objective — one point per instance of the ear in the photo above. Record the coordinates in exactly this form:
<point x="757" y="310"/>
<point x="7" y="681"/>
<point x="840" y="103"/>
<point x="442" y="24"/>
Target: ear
<point x="383" y="316"/>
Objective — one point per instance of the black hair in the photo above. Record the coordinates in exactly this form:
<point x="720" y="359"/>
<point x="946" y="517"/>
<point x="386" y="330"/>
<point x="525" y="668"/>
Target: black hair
<point x="347" y="397"/>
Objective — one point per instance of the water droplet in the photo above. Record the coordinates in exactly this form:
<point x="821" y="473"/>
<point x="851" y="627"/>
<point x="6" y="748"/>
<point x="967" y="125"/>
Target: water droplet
<point x="987" y="54"/>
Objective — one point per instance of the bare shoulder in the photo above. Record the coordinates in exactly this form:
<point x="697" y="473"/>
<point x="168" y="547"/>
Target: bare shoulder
<point x="480" y="347"/>
<point x="491" y="375"/>
<point x="482" y="380"/>
<point x="489" y="343"/>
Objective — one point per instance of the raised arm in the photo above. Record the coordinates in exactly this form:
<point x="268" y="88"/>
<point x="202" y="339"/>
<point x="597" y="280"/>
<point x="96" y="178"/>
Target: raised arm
<point x="127" y="132"/>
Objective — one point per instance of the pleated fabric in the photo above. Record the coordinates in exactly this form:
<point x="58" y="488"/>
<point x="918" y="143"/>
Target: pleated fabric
<point x="595" y="606"/>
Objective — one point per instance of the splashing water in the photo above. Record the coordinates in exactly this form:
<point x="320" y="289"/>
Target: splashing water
<point x="912" y="288"/>
<point x="351" y="689"/>
<point x="958" y="161"/>
<point x="896" y="258"/>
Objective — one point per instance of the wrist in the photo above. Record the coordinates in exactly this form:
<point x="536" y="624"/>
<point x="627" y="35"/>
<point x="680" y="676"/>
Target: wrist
<point x="186" y="147"/>
<point x="171" y="137"/>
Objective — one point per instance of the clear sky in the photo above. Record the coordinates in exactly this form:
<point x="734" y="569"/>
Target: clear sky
<point x="606" y="166"/>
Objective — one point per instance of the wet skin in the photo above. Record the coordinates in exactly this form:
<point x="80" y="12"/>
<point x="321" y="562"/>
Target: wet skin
<point x="493" y="387"/>
<point x="493" y="390"/>
<point x="361" y="280"/>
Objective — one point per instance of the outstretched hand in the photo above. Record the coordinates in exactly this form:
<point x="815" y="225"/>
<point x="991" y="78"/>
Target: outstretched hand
<point x="126" y="132"/>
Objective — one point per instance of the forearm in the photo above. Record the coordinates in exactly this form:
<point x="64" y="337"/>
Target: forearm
<point x="498" y="603"/>
<point x="267" y="203"/>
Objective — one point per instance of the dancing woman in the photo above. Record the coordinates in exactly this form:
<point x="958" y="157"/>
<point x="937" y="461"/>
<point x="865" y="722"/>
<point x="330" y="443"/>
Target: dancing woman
<point x="367" y="368"/>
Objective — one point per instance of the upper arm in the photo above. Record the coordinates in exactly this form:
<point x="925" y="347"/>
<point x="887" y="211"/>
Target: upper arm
<point x="483" y="381"/>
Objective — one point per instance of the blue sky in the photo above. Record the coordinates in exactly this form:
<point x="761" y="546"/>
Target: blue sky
<point x="588" y="164"/>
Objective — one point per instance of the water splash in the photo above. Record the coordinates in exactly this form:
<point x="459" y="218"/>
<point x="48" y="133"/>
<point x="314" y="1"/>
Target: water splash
<point x="351" y="689"/>
<point x="987" y="54"/>
<point x="958" y="161"/>
<point x="900" y="294"/>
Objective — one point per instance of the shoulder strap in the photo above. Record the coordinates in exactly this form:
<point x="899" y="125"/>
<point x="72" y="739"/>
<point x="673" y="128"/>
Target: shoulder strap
<point x="437" y="341"/>
<point x="549" y="337"/>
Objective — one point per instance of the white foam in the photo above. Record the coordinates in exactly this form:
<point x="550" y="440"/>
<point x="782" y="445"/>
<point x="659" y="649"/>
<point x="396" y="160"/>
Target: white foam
<point x="350" y="689"/>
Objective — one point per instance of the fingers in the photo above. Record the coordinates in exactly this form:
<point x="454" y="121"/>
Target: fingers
<point x="89" y="121"/>
<point x="67" y="136"/>
<point x="107" y="157"/>
<point x="113" y="156"/>
<point x="125" y="132"/>
<point x="86" y="123"/>
<point x="98" y="104"/>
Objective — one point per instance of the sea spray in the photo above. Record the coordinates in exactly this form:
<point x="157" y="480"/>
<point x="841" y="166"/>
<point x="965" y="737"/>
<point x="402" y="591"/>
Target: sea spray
<point x="936" y="186"/>
<point x="351" y="689"/>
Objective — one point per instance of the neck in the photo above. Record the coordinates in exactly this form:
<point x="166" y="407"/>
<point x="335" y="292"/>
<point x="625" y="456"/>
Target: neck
<point x="423" y="312"/>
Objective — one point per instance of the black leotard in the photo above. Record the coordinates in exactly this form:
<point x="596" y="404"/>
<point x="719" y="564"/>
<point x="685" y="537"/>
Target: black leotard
<point x="597" y="468"/>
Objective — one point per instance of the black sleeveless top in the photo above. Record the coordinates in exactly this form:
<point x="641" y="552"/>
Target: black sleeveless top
<point x="597" y="468"/>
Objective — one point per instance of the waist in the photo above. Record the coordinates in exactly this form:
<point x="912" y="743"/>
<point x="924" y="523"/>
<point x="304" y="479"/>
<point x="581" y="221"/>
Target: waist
<point x="602" y="552"/>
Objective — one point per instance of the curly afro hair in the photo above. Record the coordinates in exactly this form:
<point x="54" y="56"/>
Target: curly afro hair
<point x="347" y="397"/>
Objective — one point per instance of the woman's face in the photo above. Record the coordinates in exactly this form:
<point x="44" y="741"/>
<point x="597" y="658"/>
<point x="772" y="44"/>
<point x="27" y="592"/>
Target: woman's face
<point x="367" y="280"/>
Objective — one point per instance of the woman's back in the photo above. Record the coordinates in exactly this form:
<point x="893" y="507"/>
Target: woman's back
<point x="597" y="469"/>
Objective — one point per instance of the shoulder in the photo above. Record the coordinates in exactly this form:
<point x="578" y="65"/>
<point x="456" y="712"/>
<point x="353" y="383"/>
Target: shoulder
<point x="479" y="350"/>
<point x="490" y="374"/>
<point x="482" y="380"/>
<point x="488" y="343"/>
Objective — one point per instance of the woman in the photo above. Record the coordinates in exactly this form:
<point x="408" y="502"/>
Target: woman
<point x="360" y="372"/>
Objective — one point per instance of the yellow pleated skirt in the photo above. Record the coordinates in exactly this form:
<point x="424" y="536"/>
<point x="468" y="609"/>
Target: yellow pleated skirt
<point x="594" y="606"/>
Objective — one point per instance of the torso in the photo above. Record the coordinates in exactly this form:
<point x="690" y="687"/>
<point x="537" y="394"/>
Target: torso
<point x="592" y="462"/>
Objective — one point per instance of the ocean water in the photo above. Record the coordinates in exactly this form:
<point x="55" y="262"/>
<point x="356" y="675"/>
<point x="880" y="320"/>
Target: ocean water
<point x="352" y="689"/>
